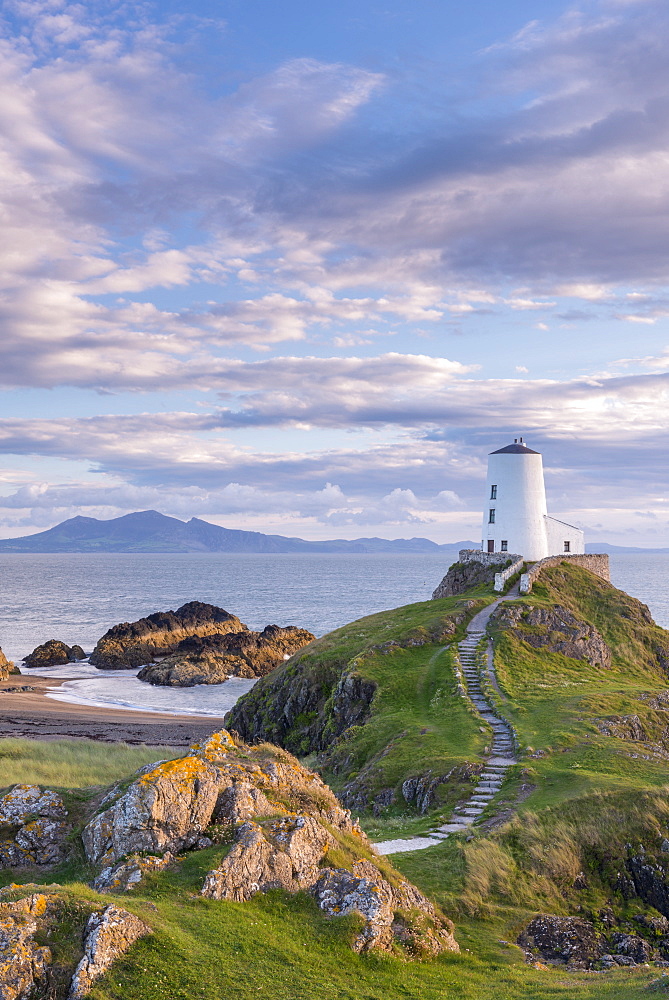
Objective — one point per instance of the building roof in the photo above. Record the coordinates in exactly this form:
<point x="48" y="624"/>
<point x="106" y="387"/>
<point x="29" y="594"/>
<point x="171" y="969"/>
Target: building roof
<point x="515" y="449"/>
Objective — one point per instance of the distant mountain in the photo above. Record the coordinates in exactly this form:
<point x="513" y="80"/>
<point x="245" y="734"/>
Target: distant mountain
<point x="605" y="547"/>
<point x="149" y="531"/>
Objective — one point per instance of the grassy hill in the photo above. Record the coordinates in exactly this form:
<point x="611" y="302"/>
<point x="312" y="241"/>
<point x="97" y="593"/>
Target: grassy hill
<point x="374" y="705"/>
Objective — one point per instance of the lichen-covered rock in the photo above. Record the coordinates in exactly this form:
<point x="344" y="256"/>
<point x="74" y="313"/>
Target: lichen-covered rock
<point x="389" y="911"/>
<point x="108" y="935"/>
<point x="632" y="946"/>
<point x="650" y="882"/>
<point x="53" y="653"/>
<point x="211" y="659"/>
<point x="284" y="855"/>
<point x="169" y="807"/>
<point x="125" y="875"/>
<point x="569" y="940"/>
<point x="132" y="644"/>
<point x="32" y="827"/>
<point x="625" y="727"/>
<point x="23" y="962"/>
<point x="556" y="629"/>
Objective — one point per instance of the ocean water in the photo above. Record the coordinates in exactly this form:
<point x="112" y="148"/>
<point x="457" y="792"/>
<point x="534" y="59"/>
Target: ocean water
<point x="77" y="597"/>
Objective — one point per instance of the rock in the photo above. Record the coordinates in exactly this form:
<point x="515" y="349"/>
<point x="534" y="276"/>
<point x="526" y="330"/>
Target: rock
<point x="23" y="963"/>
<point x="288" y="854"/>
<point x="562" y="939"/>
<point x="211" y="659"/>
<point x="125" y="875"/>
<point x="32" y="827"/>
<point x="632" y="946"/>
<point x="557" y="630"/>
<point x="170" y="807"/>
<point x="656" y="925"/>
<point x="422" y="790"/>
<point x="285" y="855"/>
<point x="650" y="883"/>
<point x="463" y="576"/>
<point x="132" y="644"/>
<point x="385" y="909"/>
<point x="108" y="935"/>
<point x="52" y="654"/>
<point x="625" y="727"/>
<point x="6" y="667"/>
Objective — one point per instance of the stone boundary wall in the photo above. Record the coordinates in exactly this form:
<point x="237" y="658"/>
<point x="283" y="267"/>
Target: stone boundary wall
<point x="597" y="564"/>
<point x="501" y="578"/>
<point x="487" y="558"/>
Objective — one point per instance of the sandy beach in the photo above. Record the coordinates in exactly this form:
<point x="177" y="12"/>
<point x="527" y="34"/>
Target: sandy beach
<point x="32" y="714"/>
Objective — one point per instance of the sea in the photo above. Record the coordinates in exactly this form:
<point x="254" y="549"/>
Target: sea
<point x="77" y="597"/>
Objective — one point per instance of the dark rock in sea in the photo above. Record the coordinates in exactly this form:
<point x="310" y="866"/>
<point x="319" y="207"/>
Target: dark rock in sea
<point x="569" y="940"/>
<point x="556" y="629"/>
<point x="132" y="644"/>
<point x="211" y="659"/>
<point x="53" y="653"/>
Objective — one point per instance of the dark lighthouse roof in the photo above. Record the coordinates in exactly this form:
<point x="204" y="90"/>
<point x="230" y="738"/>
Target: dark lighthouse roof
<point x="517" y="448"/>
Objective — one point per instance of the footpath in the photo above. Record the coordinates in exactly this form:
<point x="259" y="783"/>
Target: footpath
<point x="502" y="749"/>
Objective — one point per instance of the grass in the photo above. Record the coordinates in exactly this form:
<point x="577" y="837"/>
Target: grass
<point x="73" y="763"/>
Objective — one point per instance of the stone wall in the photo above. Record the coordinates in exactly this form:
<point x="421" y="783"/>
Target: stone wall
<point x="501" y="578"/>
<point x="597" y="564"/>
<point x="487" y="558"/>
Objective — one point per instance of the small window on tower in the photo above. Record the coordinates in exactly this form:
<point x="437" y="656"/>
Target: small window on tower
<point x="491" y="516"/>
<point x="567" y="546"/>
<point x="493" y="492"/>
<point x="505" y="545"/>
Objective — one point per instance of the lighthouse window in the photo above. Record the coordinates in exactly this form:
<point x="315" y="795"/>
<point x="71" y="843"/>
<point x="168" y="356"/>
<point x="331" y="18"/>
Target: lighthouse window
<point x="505" y="545"/>
<point x="493" y="492"/>
<point x="491" y="516"/>
<point x="567" y="546"/>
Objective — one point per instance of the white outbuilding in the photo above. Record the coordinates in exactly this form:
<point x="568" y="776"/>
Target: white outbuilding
<point x="515" y="518"/>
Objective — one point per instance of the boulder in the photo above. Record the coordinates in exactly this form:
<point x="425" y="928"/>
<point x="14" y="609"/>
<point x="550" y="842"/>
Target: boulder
<point x="32" y="827"/>
<point x="53" y="653"/>
<point x="169" y="807"/>
<point x="288" y="854"/>
<point x="632" y="946"/>
<point x="23" y="962"/>
<point x="285" y="855"/>
<point x="569" y="940"/>
<point x="6" y="667"/>
<point x="108" y="935"/>
<point x="126" y="874"/>
<point x="557" y="630"/>
<point x="132" y="644"/>
<point x="649" y="882"/>
<point x="211" y="659"/>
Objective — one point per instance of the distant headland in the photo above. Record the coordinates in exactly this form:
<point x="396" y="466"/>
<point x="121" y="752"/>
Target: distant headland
<point x="149" y="531"/>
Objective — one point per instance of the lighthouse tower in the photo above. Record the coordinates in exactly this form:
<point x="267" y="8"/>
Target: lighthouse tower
<point x="515" y="518"/>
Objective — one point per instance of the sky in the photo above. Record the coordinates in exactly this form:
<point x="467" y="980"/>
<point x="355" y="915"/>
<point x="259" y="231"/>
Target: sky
<point x="300" y="267"/>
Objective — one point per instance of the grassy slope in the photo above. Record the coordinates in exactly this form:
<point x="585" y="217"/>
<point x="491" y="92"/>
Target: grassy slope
<point x="280" y="947"/>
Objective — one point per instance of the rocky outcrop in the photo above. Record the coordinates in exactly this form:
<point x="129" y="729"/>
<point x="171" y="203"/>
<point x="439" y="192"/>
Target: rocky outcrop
<point x="108" y="935"/>
<point x="52" y="654"/>
<point x="557" y="630"/>
<point x="462" y="576"/>
<point x="6" y="667"/>
<point x="650" y="882"/>
<point x="625" y="727"/>
<point x="289" y="853"/>
<point x="132" y="644"/>
<point x="169" y="808"/>
<point x="211" y="659"/>
<point x="126" y="874"/>
<point x="285" y="854"/>
<point x="23" y="962"/>
<point x="569" y="940"/>
<point x="32" y="827"/>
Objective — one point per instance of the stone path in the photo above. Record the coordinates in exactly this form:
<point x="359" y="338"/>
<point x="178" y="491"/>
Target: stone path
<point x="502" y="749"/>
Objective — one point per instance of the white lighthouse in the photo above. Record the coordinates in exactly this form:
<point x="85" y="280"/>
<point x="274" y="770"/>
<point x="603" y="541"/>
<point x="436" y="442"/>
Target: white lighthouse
<point x="515" y="518"/>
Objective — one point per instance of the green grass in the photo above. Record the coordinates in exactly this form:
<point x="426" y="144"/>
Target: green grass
<point x="73" y="763"/>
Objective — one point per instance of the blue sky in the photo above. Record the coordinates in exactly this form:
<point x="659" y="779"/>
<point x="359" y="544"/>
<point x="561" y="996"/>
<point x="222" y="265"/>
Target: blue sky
<point x="300" y="267"/>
